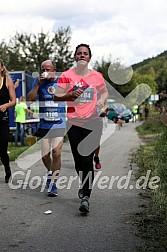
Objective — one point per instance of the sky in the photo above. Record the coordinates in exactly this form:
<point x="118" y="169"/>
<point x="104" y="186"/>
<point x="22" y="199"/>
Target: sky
<point x="128" y="30"/>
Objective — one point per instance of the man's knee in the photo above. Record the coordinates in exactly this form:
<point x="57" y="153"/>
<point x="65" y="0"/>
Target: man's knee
<point x="56" y="153"/>
<point x="46" y="157"/>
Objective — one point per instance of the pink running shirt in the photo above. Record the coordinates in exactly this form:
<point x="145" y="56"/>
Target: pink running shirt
<point x="85" y="106"/>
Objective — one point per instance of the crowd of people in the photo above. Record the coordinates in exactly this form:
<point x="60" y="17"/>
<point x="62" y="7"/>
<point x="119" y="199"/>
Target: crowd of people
<point x="74" y="104"/>
<point x="140" y="112"/>
<point x="73" y="95"/>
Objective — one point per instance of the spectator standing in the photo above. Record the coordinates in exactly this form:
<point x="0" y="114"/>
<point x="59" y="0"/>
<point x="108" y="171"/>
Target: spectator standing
<point x="21" y="111"/>
<point x="134" y="112"/>
<point x="146" y="110"/>
<point x="141" y="108"/>
<point x="7" y="100"/>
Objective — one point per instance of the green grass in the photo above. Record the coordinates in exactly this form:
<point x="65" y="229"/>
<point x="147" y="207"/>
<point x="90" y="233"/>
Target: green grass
<point x="15" y="151"/>
<point x="152" y="156"/>
<point x="152" y="126"/>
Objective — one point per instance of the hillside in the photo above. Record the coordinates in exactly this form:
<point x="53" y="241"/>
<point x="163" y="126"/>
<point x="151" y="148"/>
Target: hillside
<point x="156" y="62"/>
<point x="156" y="67"/>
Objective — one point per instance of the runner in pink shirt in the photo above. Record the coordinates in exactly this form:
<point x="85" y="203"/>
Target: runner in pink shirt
<point x="86" y="104"/>
<point x="79" y="87"/>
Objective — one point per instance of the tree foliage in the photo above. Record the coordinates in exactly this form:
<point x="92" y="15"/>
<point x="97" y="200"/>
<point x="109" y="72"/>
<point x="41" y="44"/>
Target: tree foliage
<point x="106" y="68"/>
<point x="162" y="77"/>
<point x="28" y="51"/>
<point x="157" y="68"/>
<point x="152" y="72"/>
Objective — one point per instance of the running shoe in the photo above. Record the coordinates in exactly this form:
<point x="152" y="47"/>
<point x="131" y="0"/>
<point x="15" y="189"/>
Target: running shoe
<point x="48" y="181"/>
<point x="52" y="190"/>
<point x="97" y="162"/>
<point x="84" y="207"/>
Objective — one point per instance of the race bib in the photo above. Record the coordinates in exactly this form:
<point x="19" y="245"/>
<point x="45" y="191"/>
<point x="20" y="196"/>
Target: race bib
<point x="86" y="96"/>
<point x="52" y="111"/>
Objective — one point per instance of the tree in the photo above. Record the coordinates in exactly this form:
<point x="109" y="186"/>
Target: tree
<point x="107" y="67"/>
<point x="63" y="55"/>
<point x="27" y="52"/>
<point x="151" y="72"/>
<point x="3" y="51"/>
<point x="162" y="78"/>
<point x="147" y="79"/>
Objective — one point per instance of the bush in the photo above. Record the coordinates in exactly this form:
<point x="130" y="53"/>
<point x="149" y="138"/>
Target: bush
<point x="151" y="126"/>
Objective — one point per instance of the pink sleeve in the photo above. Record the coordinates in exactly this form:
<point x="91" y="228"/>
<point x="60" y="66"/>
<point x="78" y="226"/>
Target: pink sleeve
<point x="101" y="82"/>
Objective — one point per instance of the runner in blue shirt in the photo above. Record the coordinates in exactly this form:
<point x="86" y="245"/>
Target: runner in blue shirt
<point x="52" y="122"/>
<point x="120" y="110"/>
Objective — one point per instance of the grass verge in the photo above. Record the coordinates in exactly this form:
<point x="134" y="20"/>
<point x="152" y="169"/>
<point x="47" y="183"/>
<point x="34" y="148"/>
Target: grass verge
<point x="152" y="220"/>
<point x="15" y="151"/>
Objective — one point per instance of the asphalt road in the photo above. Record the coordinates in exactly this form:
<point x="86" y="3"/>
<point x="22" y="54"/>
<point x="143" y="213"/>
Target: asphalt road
<point x="108" y="227"/>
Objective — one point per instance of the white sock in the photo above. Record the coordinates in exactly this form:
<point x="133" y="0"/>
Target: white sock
<point x="49" y="173"/>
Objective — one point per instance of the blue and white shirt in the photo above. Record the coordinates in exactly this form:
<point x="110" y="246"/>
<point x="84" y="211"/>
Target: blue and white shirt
<point x="52" y="114"/>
